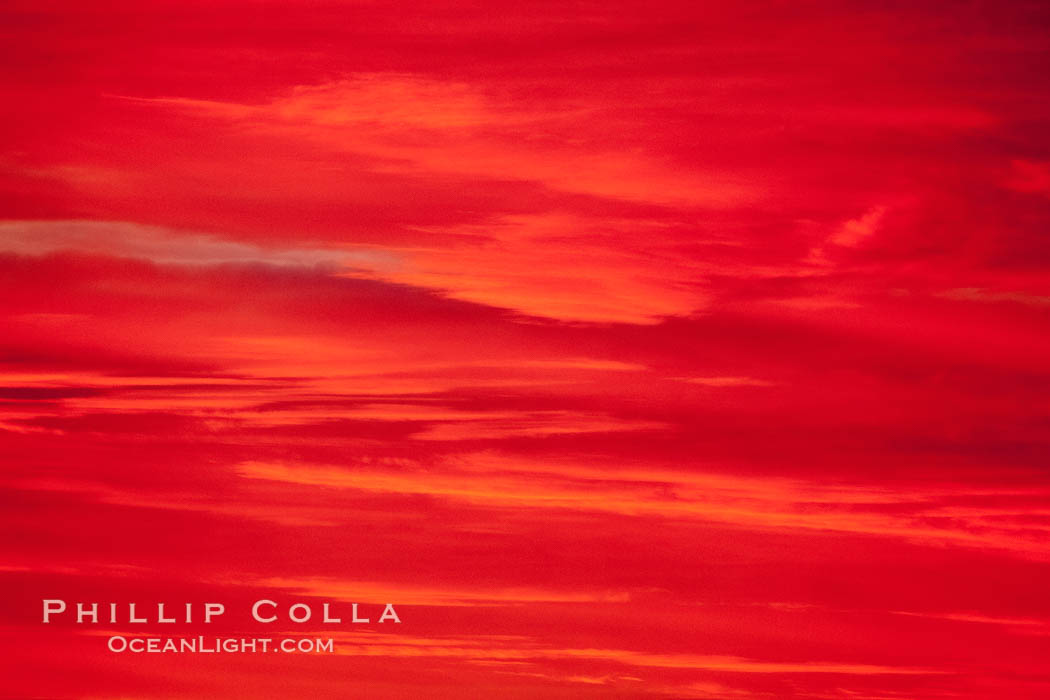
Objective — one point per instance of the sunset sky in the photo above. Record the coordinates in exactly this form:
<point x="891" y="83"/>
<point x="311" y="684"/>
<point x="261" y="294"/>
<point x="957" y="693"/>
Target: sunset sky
<point x="632" y="349"/>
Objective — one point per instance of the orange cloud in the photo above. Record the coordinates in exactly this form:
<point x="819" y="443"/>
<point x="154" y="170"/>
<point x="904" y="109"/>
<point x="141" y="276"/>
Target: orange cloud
<point x="761" y="504"/>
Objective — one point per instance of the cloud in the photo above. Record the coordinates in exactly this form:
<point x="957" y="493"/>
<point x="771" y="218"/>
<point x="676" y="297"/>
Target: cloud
<point x="647" y="353"/>
<point x="512" y="649"/>
<point x="926" y="517"/>
<point x="166" y="246"/>
<point x="414" y="122"/>
<point x="855" y="231"/>
<point x="986" y="296"/>
<point x="399" y="593"/>
<point x="1030" y="177"/>
<point x="726" y="381"/>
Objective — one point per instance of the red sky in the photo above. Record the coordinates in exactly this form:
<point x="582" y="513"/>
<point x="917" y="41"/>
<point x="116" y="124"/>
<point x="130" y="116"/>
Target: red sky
<point x="634" y="350"/>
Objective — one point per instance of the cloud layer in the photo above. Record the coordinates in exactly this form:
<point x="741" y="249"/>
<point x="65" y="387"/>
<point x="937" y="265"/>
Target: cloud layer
<point x="677" y="351"/>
